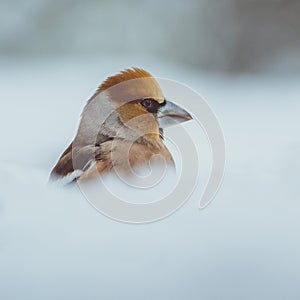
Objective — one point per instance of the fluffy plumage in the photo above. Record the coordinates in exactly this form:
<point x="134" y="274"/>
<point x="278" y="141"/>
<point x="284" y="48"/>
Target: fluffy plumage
<point x="119" y="128"/>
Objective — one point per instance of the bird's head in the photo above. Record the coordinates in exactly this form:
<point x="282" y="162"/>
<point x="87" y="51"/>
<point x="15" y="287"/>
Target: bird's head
<point x="140" y="106"/>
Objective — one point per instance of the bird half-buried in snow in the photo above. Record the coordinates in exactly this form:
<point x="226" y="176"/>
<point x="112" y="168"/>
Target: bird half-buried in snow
<point x="121" y="127"/>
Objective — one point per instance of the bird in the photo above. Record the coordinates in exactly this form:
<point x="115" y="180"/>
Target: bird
<point x="121" y="128"/>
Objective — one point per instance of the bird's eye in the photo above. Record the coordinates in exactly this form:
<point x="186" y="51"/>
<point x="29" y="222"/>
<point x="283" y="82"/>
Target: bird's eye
<point x="151" y="105"/>
<point x="147" y="103"/>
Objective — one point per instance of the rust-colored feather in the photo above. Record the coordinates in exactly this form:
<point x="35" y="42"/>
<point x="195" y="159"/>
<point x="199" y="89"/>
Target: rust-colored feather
<point x="130" y="84"/>
<point x="127" y="74"/>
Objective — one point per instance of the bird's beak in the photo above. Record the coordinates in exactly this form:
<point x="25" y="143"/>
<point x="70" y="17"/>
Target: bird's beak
<point x="171" y="114"/>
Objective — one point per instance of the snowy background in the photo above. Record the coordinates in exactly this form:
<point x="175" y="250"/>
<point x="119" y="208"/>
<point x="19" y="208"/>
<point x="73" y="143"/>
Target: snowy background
<point x="243" y="57"/>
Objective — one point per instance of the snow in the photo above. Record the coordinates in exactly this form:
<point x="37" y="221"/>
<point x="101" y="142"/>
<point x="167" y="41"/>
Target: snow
<point x="55" y="245"/>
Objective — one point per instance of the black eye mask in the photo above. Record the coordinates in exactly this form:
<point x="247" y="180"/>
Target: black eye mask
<point x="151" y="105"/>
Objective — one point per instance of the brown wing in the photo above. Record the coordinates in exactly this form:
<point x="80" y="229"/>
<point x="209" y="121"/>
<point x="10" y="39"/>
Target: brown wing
<point x="64" y="164"/>
<point x="73" y="159"/>
<point x="77" y="157"/>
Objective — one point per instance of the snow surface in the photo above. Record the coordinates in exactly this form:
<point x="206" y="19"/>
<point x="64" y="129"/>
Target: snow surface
<point x="244" y="245"/>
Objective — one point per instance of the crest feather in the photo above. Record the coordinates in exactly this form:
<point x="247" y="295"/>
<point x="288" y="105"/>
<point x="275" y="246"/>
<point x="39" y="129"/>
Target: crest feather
<point x="127" y="74"/>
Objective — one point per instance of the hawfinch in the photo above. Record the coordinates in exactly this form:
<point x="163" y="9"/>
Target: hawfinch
<point x="121" y="127"/>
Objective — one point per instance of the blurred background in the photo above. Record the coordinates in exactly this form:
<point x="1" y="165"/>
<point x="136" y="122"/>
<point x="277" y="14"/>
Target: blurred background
<point x="243" y="57"/>
<point x="229" y="35"/>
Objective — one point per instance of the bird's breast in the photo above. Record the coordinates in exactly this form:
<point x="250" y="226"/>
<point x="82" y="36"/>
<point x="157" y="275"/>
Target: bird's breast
<point x="125" y="157"/>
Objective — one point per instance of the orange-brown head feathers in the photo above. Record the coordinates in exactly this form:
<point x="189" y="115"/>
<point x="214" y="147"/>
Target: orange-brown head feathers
<point x="131" y="84"/>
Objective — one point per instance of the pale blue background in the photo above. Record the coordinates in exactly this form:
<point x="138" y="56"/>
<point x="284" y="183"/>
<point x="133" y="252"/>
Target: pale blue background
<point x="243" y="57"/>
